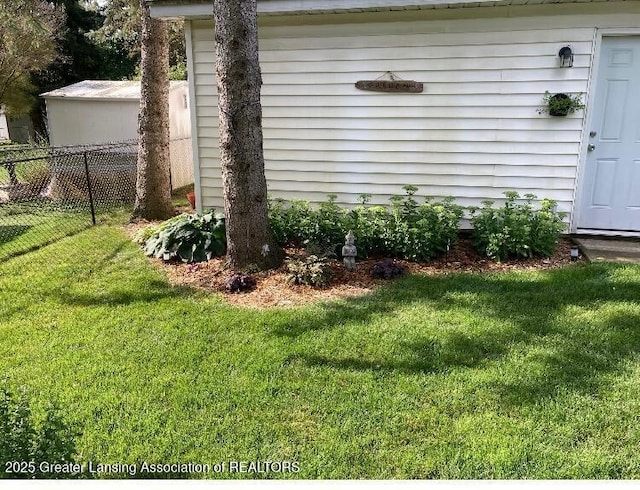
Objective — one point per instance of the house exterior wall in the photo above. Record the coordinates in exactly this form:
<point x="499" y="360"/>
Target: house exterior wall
<point x="473" y="133"/>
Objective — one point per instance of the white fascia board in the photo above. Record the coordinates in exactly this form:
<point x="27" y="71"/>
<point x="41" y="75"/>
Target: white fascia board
<point x="290" y="6"/>
<point x="284" y="7"/>
<point x="181" y="11"/>
<point x="90" y="99"/>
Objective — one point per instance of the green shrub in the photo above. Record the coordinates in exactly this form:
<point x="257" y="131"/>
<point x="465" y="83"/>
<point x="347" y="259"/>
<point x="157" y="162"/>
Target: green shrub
<point x="189" y="237"/>
<point x="422" y="231"/>
<point x="516" y="229"/>
<point x="331" y="224"/>
<point x="30" y="440"/>
<point x="406" y="229"/>
<point x="370" y="225"/>
<point x="310" y="271"/>
<point x="292" y="223"/>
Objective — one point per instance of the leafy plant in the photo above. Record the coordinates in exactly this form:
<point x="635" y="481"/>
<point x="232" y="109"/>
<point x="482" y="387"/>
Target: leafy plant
<point x="370" y="225"/>
<point x="143" y="234"/>
<point x="387" y="269"/>
<point x="189" y="237"/>
<point x="240" y="282"/>
<point x="422" y="231"/>
<point x="561" y="104"/>
<point x="406" y="229"/>
<point x="516" y="229"/>
<point x="310" y="271"/>
<point x="292" y="223"/>
<point x="29" y="439"/>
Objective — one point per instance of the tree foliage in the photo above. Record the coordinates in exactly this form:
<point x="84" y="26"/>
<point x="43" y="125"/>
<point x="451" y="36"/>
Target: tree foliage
<point x="122" y="27"/>
<point x="30" y="31"/>
<point x="85" y="58"/>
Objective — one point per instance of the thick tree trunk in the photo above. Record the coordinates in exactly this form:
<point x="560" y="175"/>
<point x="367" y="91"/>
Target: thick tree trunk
<point x="249" y="238"/>
<point x="153" y="187"/>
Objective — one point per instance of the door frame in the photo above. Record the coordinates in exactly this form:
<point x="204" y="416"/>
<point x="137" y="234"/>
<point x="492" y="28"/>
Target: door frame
<point x="587" y="123"/>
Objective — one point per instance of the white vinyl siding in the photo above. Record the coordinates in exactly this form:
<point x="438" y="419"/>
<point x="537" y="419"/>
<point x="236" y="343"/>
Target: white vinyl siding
<point x="473" y="133"/>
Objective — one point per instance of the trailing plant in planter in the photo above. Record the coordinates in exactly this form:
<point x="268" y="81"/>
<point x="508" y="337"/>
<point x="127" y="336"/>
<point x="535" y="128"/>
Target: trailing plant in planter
<point x="561" y="104"/>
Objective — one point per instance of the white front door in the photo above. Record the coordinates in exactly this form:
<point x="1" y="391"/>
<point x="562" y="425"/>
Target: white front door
<point x="610" y="198"/>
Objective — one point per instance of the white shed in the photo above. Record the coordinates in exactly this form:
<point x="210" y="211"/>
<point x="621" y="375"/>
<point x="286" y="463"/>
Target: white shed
<point x="473" y="132"/>
<point x="103" y="111"/>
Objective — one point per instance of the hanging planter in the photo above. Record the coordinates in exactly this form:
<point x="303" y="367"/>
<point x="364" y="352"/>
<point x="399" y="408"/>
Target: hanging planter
<point x="561" y="104"/>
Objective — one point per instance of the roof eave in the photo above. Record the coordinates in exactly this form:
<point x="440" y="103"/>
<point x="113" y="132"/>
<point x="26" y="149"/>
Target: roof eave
<point x="192" y="9"/>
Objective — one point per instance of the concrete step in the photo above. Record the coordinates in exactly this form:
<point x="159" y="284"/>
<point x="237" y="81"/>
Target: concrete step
<point x="609" y="249"/>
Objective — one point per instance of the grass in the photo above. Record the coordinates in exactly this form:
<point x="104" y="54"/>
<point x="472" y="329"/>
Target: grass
<point x="28" y="225"/>
<point x="510" y="375"/>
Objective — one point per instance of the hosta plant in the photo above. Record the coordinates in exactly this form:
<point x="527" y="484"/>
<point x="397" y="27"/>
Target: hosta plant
<point x="189" y="237"/>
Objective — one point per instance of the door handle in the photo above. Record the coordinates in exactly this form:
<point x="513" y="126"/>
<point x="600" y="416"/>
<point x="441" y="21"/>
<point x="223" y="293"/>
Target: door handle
<point x="591" y="147"/>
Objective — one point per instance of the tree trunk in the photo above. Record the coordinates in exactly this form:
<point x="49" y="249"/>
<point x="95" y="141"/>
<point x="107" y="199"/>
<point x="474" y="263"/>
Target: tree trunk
<point x="153" y="186"/>
<point x="249" y="238"/>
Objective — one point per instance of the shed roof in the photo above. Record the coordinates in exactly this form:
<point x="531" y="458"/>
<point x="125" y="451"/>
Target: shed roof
<point x="204" y="8"/>
<point x="103" y="90"/>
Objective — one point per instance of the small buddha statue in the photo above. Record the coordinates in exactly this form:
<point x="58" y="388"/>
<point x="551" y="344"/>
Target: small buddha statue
<point x="349" y="252"/>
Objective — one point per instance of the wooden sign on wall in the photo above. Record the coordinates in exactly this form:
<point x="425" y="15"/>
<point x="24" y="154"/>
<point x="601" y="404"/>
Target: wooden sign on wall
<point x="409" y="86"/>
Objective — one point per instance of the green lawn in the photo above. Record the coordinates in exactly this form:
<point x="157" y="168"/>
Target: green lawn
<point x="28" y="225"/>
<point x="510" y="375"/>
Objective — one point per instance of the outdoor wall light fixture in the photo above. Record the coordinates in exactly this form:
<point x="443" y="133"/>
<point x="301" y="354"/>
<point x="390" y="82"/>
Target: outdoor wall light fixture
<point x="566" y="57"/>
<point x="575" y="253"/>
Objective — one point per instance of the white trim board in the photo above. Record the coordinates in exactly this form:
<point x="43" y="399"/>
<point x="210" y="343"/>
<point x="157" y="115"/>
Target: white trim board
<point x="193" y="111"/>
<point x="200" y="10"/>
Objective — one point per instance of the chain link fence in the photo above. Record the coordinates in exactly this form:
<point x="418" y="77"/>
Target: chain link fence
<point x="48" y="193"/>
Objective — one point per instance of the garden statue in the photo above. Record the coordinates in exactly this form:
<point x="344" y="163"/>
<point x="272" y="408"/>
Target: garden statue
<point x="349" y="252"/>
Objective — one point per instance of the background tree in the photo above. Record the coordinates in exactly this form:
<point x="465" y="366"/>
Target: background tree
<point x="122" y="27"/>
<point x="29" y="34"/>
<point x="84" y="57"/>
<point x="249" y="238"/>
<point x="153" y="186"/>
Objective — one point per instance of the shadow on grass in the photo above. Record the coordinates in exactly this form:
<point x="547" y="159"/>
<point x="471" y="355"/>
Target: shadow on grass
<point x="531" y="313"/>
<point x="27" y="244"/>
<point x="144" y="291"/>
<point x="9" y="233"/>
<point x="154" y="291"/>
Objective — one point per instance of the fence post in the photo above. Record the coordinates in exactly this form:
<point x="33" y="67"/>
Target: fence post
<point x="86" y="170"/>
<point x="13" y="178"/>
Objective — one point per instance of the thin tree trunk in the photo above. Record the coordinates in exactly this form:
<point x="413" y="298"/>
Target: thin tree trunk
<point x="153" y="187"/>
<point x="249" y="238"/>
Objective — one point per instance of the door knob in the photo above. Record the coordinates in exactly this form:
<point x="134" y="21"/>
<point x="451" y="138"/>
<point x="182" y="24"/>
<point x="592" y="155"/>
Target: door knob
<point x="591" y="147"/>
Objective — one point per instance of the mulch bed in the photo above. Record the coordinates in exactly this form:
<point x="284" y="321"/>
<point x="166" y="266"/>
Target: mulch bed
<point x="272" y="289"/>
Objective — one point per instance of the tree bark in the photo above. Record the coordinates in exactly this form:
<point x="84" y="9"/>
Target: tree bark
<point x="153" y="186"/>
<point x="249" y="238"/>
